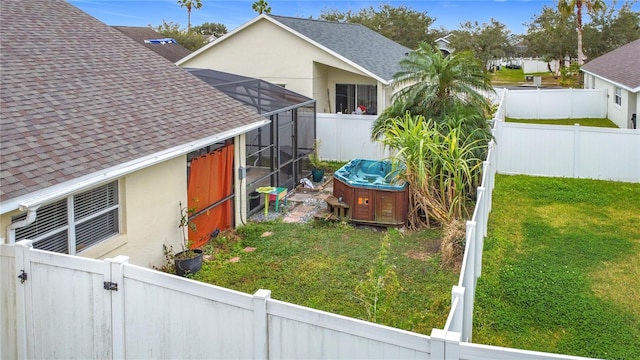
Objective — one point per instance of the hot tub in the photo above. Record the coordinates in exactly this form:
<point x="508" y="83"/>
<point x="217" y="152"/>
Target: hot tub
<point x="369" y="189"/>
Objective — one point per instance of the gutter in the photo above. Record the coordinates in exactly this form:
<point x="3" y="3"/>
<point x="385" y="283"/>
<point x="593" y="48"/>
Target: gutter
<point x="32" y="200"/>
<point x="31" y="217"/>
<point x="615" y="83"/>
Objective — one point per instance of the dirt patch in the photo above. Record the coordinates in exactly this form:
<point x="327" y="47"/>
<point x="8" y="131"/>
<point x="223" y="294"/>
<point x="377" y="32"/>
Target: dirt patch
<point x="418" y="255"/>
<point x="424" y="254"/>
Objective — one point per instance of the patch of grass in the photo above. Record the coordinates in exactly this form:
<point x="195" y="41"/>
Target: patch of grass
<point x="552" y="278"/>
<point x="321" y="264"/>
<point x="507" y="76"/>
<point x="333" y="166"/>
<point x="596" y="122"/>
<point x="516" y="77"/>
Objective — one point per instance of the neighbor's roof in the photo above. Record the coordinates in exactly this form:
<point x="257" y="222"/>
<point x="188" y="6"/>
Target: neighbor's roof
<point x="79" y="98"/>
<point x="170" y="51"/>
<point x="363" y="47"/>
<point x="355" y="42"/>
<point x="620" y="66"/>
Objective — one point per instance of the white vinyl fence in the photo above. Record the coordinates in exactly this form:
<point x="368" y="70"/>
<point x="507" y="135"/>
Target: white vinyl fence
<point x="556" y="103"/>
<point x="72" y="307"/>
<point x="531" y="66"/>
<point x="568" y="151"/>
<point x="61" y="306"/>
<point x="346" y="137"/>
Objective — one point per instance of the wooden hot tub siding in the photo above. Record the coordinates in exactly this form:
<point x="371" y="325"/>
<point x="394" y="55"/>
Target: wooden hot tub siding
<point x="373" y="206"/>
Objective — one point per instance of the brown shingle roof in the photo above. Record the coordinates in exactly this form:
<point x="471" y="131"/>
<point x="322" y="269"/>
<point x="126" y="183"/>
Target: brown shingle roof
<point x="621" y="66"/>
<point x="78" y="97"/>
<point x="171" y="52"/>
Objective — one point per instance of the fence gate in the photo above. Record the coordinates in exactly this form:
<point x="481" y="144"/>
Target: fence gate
<point x="62" y="319"/>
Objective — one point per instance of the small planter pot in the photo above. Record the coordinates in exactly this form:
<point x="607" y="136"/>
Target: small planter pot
<point x="188" y="262"/>
<point x="317" y="175"/>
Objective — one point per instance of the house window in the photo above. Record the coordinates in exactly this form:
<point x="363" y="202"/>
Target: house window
<point x="94" y="217"/>
<point x="349" y="96"/>
<point x="618" y="92"/>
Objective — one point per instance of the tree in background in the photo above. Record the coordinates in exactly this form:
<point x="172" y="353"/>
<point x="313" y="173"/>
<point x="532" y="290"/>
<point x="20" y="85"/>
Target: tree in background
<point x="261" y="6"/>
<point x="487" y="41"/>
<point x="400" y="24"/>
<point x="189" y="4"/>
<point x="189" y="39"/>
<point x="566" y="7"/>
<point x="208" y="28"/>
<point x="550" y="36"/>
<point x="611" y="29"/>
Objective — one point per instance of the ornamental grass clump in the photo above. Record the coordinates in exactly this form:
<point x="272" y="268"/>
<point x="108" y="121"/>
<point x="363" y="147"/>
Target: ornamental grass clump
<point x="453" y="243"/>
<point x="440" y="165"/>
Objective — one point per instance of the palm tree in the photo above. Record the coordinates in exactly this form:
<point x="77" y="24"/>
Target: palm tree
<point x="566" y="7"/>
<point x="442" y="88"/>
<point x="261" y="6"/>
<point x="189" y="4"/>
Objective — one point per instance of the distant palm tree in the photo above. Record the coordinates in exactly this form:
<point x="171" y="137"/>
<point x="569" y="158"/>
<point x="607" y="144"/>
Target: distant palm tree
<point x="189" y="4"/>
<point x="261" y="6"/>
<point x="566" y="7"/>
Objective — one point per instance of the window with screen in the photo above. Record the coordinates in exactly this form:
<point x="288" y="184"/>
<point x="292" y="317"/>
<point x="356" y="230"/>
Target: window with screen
<point x="75" y="223"/>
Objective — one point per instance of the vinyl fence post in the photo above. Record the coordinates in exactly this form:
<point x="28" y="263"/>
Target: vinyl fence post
<point x="452" y="346"/>
<point x="260" y="324"/>
<point x="445" y="345"/>
<point x="576" y="151"/>
<point x="24" y="322"/>
<point x="114" y="274"/>
<point x="571" y="112"/>
<point x="438" y="338"/>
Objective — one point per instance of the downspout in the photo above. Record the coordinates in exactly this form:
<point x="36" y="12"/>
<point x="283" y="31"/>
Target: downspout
<point x="31" y="217"/>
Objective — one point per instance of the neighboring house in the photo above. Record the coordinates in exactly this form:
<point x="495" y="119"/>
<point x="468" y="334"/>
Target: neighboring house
<point x="95" y="137"/>
<point x="340" y="65"/>
<point x="444" y="45"/>
<point x="618" y="71"/>
<point x="153" y="40"/>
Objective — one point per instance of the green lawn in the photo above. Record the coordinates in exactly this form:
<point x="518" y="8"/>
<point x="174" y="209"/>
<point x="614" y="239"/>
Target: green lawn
<point x="561" y="268"/>
<point x="320" y="264"/>
<point x="597" y="122"/>
<point x="516" y="77"/>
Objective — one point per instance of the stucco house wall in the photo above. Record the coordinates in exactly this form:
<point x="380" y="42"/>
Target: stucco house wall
<point x="619" y="114"/>
<point x="619" y="68"/>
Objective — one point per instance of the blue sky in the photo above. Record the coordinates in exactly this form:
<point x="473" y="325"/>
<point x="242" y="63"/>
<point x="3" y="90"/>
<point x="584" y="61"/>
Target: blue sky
<point x="233" y="13"/>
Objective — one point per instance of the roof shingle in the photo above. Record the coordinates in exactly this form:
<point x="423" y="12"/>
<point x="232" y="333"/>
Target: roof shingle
<point x="621" y="66"/>
<point x="170" y="51"/>
<point x="361" y="45"/>
<point x="78" y="97"/>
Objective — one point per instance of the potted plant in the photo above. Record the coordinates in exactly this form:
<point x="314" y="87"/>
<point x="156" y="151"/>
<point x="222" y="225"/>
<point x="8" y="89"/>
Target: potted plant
<point x="318" y="166"/>
<point x="187" y="261"/>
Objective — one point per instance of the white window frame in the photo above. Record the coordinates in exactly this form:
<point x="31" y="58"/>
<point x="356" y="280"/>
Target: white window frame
<point x="96" y="207"/>
<point x="618" y="95"/>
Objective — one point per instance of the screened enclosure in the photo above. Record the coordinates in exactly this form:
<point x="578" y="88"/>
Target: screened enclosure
<point x="277" y="153"/>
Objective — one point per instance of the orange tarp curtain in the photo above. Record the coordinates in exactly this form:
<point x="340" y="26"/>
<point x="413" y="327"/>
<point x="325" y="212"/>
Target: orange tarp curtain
<point x="211" y="180"/>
